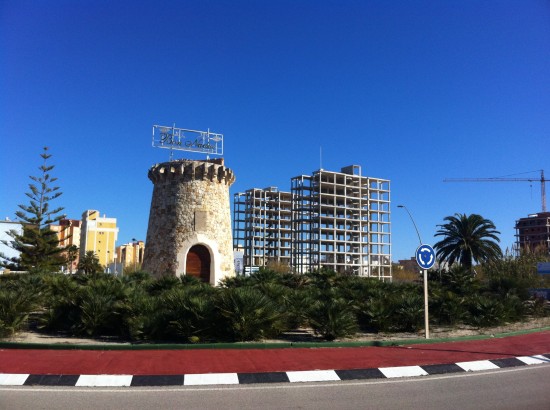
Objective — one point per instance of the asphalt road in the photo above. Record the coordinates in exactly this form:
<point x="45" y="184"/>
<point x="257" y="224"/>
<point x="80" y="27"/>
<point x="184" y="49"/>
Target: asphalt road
<point x="516" y="388"/>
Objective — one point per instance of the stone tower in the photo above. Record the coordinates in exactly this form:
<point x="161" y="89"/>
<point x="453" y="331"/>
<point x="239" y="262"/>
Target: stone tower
<point x="189" y="230"/>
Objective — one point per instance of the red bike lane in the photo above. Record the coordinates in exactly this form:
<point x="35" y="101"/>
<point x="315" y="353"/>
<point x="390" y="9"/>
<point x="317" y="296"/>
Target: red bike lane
<point x="199" y="361"/>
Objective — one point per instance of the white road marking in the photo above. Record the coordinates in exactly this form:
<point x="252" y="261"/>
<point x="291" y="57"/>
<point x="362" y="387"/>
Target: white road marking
<point x="538" y="359"/>
<point x="8" y="379"/>
<point x="403" y="371"/>
<point x="478" y="365"/>
<point x="312" y="376"/>
<point x="104" y="380"/>
<point x="210" y="378"/>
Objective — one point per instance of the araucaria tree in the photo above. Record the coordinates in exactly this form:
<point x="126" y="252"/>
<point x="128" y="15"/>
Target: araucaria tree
<point x="37" y="244"/>
<point x="467" y="239"/>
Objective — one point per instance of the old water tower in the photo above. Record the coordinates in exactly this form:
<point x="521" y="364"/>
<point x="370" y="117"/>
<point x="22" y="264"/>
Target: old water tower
<point x="189" y="231"/>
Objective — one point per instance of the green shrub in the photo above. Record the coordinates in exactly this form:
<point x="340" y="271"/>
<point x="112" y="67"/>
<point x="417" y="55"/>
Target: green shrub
<point x="484" y="311"/>
<point x="446" y="307"/>
<point x="515" y="274"/>
<point x="537" y="307"/>
<point x="513" y="307"/>
<point x="376" y="315"/>
<point x="100" y="305"/>
<point x="137" y="276"/>
<point x="332" y="318"/>
<point x="459" y="280"/>
<point x="19" y="296"/>
<point x="295" y="306"/>
<point x="61" y="306"/>
<point x="409" y="312"/>
<point x="14" y="311"/>
<point x="162" y="284"/>
<point x="188" y="313"/>
<point x="235" y="282"/>
<point x="247" y="314"/>
<point x="138" y="314"/>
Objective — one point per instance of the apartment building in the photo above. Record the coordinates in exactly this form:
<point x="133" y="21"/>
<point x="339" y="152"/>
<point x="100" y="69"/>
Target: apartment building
<point x="98" y="234"/>
<point x="339" y="220"/>
<point x="130" y="254"/>
<point x="533" y="232"/>
<point x="68" y="234"/>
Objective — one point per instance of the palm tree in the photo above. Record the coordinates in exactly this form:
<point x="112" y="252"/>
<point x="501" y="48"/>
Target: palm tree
<point x="90" y="263"/>
<point x="467" y="239"/>
<point x="72" y="255"/>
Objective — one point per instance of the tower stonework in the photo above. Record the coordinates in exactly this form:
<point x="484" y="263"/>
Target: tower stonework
<point x="189" y="231"/>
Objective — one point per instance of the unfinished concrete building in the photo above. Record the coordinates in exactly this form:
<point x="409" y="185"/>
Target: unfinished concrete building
<point x="338" y="220"/>
<point x="341" y="220"/>
<point x="262" y="223"/>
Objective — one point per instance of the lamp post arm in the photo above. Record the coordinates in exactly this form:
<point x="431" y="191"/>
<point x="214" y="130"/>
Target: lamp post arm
<point x="412" y="220"/>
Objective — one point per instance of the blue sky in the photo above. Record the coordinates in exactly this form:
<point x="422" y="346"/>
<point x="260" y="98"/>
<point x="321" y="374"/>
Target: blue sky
<point x="413" y="91"/>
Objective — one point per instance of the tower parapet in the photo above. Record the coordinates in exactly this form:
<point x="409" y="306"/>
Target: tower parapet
<point x="188" y="170"/>
<point x="189" y="231"/>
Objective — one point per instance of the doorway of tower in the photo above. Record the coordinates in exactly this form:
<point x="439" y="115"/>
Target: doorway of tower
<point x="198" y="263"/>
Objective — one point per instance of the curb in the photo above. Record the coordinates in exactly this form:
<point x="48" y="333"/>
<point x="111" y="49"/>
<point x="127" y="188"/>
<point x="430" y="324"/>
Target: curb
<point x="256" y="345"/>
<point x="210" y="379"/>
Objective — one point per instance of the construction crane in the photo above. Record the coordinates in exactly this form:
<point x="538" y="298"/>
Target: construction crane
<point x="542" y="181"/>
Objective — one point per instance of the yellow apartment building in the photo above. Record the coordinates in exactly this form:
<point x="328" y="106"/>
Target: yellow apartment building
<point x="131" y="254"/>
<point x="98" y="234"/>
<point x="68" y="234"/>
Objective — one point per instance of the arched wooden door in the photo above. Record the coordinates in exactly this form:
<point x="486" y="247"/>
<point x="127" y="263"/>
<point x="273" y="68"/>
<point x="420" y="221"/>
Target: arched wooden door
<point x="198" y="263"/>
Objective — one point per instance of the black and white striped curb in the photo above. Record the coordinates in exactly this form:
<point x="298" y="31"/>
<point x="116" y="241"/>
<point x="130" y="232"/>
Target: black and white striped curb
<point x="85" y="380"/>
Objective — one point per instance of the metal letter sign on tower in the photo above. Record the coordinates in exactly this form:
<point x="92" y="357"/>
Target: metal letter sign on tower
<point x="182" y="139"/>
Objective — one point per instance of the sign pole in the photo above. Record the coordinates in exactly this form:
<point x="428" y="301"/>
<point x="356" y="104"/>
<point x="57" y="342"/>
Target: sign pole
<point x="425" y="257"/>
<point x="426" y="315"/>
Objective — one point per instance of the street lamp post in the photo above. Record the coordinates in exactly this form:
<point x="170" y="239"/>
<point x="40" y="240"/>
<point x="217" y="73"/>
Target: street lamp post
<point x="410" y="216"/>
<point x="426" y="314"/>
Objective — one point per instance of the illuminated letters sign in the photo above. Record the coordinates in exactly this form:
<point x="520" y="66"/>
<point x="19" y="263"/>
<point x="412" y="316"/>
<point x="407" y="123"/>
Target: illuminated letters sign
<point x="187" y="140"/>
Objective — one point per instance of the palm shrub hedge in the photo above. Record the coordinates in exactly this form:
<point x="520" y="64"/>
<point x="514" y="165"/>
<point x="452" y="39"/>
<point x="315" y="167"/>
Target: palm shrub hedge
<point x="375" y="309"/>
<point x="332" y="317"/>
<point x="329" y="311"/>
<point x="19" y="297"/>
<point x="446" y="307"/>
<point x="409" y="311"/>
<point x="248" y="314"/>
<point x="99" y="307"/>
<point x="138" y="314"/>
<point x="186" y="313"/>
<point x="138" y="307"/>
<point x="484" y="311"/>
<point x="60" y="305"/>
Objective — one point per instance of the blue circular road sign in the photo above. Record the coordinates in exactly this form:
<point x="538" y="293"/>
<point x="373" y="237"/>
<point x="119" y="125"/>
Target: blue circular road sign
<point x="425" y="256"/>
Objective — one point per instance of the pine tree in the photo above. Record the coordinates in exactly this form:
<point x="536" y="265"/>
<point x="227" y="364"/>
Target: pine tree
<point x="37" y="244"/>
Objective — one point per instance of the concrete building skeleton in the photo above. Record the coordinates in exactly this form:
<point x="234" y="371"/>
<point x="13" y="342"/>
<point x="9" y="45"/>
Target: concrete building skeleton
<point x="262" y="226"/>
<point x="338" y="220"/>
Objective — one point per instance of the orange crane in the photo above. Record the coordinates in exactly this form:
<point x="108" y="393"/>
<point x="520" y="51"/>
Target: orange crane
<point x="542" y="181"/>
